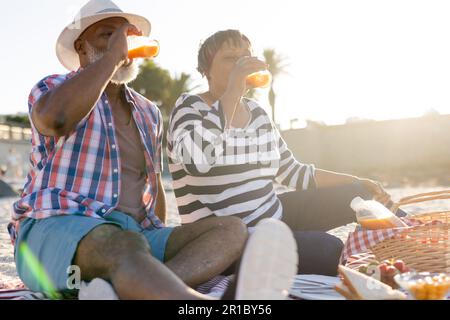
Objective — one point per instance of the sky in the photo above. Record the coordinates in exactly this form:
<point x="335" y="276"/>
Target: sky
<point x="383" y="59"/>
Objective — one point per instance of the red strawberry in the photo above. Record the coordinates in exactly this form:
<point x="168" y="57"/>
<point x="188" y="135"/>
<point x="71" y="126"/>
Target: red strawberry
<point x="400" y="265"/>
<point x="383" y="268"/>
<point x="391" y="270"/>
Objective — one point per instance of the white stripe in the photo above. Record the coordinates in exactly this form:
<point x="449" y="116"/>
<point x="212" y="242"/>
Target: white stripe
<point x="260" y="120"/>
<point x="250" y="138"/>
<point x="222" y="180"/>
<point x="201" y="106"/>
<point x="306" y="178"/>
<point x="286" y="172"/>
<point x="260" y="211"/>
<point x="181" y="113"/>
<point x="294" y="180"/>
<point x="228" y="193"/>
<point x="243" y="206"/>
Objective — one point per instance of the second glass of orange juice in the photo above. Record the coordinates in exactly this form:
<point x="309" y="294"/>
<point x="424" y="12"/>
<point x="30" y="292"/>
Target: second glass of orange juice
<point x="261" y="79"/>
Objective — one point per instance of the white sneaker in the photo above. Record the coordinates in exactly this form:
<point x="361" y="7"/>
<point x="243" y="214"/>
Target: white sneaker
<point x="98" y="289"/>
<point x="269" y="263"/>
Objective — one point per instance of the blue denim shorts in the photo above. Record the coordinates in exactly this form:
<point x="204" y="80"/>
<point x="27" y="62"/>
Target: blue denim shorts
<point x="52" y="243"/>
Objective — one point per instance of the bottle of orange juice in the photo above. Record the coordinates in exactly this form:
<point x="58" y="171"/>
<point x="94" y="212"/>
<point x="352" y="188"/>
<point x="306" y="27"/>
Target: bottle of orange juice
<point x="372" y="215"/>
<point x="260" y="79"/>
<point x="142" y="47"/>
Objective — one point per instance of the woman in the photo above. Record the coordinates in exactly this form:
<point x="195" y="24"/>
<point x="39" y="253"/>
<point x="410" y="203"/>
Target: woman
<point x="225" y="155"/>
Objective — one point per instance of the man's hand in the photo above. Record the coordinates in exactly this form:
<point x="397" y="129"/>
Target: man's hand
<point x="118" y="45"/>
<point x="376" y="188"/>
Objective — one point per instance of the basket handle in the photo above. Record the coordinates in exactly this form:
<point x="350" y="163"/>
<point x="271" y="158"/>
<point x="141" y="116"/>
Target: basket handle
<point x="422" y="197"/>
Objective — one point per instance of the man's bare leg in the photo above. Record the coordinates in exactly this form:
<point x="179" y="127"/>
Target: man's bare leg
<point x="199" y="251"/>
<point x="124" y="259"/>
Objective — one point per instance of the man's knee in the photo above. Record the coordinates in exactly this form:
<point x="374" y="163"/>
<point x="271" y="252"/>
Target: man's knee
<point x="233" y="226"/>
<point x="105" y="247"/>
<point x="234" y="233"/>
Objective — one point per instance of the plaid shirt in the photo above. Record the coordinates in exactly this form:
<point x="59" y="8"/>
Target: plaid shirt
<point x="80" y="173"/>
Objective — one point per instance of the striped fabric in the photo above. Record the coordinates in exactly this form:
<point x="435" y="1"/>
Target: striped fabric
<point x="21" y="295"/>
<point x="224" y="172"/>
<point x="214" y="288"/>
<point x="80" y="173"/>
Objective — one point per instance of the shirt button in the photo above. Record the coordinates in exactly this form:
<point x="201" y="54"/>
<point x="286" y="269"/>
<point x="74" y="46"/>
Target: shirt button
<point x="115" y="195"/>
<point x="116" y="171"/>
<point x="110" y="124"/>
<point x="104" y="211"/>
<point x="106" y="101"/>
<point x="113" y="146"/>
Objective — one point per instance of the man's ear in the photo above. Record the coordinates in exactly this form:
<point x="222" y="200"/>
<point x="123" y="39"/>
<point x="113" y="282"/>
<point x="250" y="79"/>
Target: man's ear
<point x="79" y="46"/>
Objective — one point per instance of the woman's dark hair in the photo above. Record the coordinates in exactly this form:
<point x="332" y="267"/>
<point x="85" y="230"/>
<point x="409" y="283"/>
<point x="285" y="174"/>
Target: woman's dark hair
<point x="210" y="46"/>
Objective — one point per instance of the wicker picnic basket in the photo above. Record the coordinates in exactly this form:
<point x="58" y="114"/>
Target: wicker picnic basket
<point x="425" y="248"/>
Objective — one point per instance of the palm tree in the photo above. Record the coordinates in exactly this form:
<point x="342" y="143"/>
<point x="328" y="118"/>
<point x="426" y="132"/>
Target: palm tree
<point x="277" y="66"/>
<point x="157" y="84"/>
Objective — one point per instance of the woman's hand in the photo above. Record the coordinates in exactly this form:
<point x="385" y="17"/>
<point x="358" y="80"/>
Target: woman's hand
<point x="245" y="66"/>
<point x="237" y="84"/>
<point x="376" y="188"/>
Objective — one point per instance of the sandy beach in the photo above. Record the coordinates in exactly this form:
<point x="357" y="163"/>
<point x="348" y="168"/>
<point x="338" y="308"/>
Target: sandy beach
<point x="8" y="270"/>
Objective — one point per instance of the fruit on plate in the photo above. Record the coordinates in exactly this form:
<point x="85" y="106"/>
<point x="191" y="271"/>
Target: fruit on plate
<point x="385" y="271"/>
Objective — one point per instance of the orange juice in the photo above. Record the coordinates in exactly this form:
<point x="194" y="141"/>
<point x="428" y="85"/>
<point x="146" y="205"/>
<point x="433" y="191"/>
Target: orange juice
<point x="259" y="79"/>
<point x="146" y="51"/>
<point x="431" y="288"/>
<point x="371" y="214"/>
<point x="375" y="224"/>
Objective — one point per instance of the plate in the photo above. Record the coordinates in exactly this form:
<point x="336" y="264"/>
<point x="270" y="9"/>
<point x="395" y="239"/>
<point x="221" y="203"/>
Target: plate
<point x="316" y="287"/>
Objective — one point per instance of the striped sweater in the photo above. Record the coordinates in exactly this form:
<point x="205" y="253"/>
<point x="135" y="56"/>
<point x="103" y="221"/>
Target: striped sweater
<point x="224" y="172"/>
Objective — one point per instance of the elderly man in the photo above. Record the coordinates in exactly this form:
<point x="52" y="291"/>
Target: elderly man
<point x="94" y="197"/>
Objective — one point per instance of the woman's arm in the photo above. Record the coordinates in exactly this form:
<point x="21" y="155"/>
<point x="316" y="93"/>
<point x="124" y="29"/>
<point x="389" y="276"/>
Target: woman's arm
<point x="300" y="176"/>
<point x="292" y="173"/>
<point x="326" y="179"/>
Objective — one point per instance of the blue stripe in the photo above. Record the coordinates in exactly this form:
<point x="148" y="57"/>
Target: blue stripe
<point x="46" y="175"/>
<point x="54" y="197"/>
<point x="74" y="159"/>
<point x="33" y="197"/>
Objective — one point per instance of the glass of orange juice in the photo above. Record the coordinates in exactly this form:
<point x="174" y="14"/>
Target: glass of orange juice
<point x="142" y="47"/>
<point x="425" y="285"/>
<point x="261" y="79"/>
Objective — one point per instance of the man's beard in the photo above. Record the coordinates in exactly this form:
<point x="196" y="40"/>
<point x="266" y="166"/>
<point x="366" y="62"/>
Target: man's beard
<point x="124" y="75"/>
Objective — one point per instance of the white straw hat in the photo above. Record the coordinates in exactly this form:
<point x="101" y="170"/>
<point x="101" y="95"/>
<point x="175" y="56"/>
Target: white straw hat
<point x="93" y="12"/>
